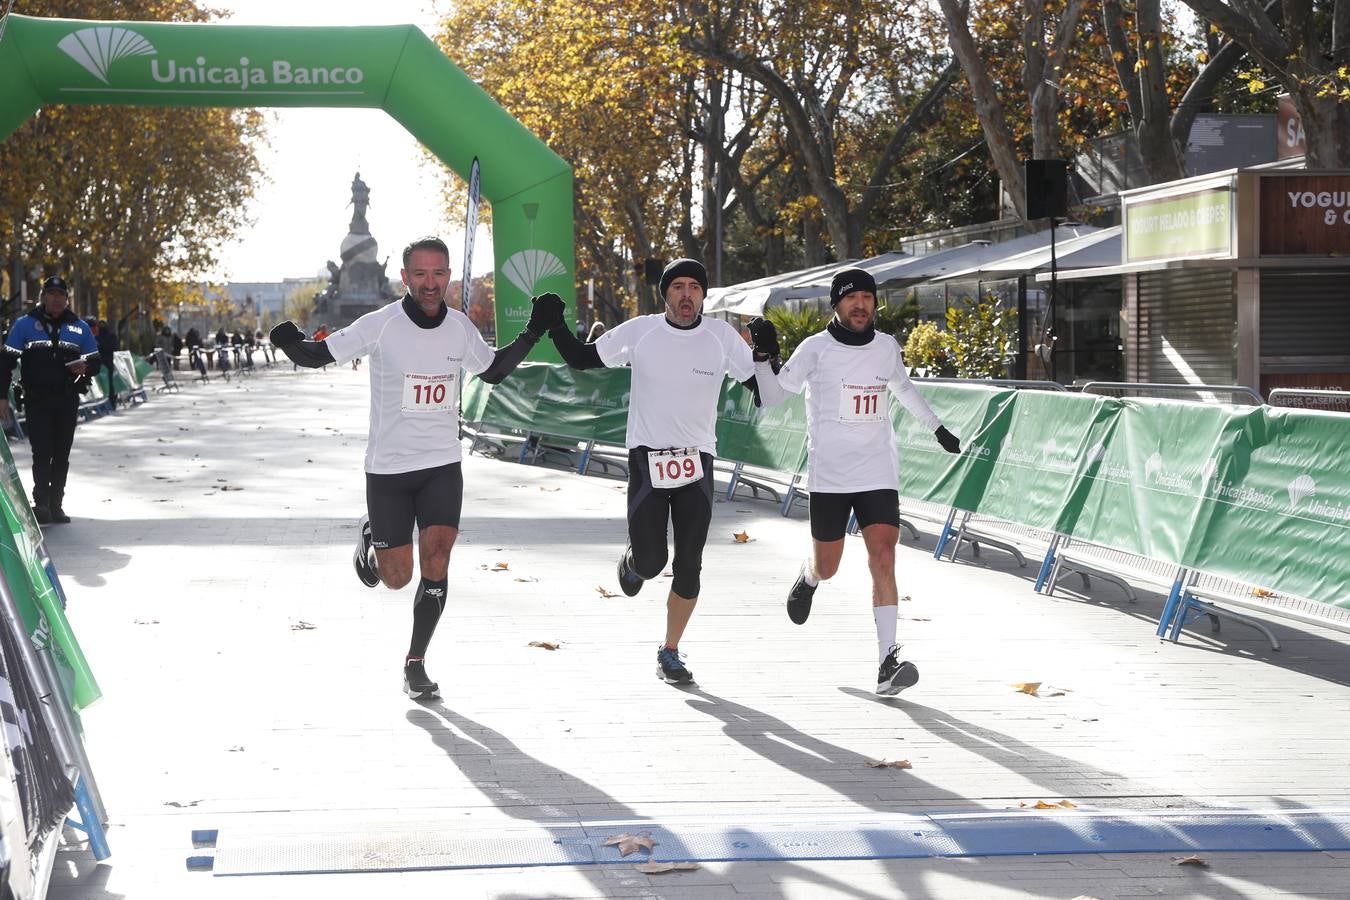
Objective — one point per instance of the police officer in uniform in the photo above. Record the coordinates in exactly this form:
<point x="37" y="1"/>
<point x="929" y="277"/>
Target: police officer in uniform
<point x="57" y="354"/>
<point x="848" y="372"/>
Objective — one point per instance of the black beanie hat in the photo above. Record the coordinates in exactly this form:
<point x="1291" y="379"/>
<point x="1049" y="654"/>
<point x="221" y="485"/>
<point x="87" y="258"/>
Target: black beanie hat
<point x="846" y="281"/>
<point x="683" y="268"/>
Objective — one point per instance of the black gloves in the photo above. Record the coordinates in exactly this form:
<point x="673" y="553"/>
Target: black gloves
<point x="546" y="312"/>
<point x="764" y="338"/>
<point x="285" y="334"/>
<point x="947" y="440"/>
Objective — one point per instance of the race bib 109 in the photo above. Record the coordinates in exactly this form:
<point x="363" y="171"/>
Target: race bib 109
<point x="674" y="468"/>
<point x="862" y="403"/>
<point x="429" y="393"/>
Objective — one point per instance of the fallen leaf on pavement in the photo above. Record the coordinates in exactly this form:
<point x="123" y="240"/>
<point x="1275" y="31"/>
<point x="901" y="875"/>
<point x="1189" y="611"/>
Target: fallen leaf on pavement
<point x="525" y="579"/>
<point x="500" y="567"/>
<point x="1191" y="861"/>
<point x="741" y="537"/>
<point x="658" y="868"/>
<point x="546" y="645"/>
<point x="1262" y="592"/>
<point x="1034" y="689"/>
<point x="630" y="843"/>
<point x="544" y="488"/>
<point x="1067" y="804"/>
<point x="889" y="764"/>
<point x="604" y="593"/>
<point x="302" y="625"/>
<point x="182" y="805"/>
<point x="906" y="598"/>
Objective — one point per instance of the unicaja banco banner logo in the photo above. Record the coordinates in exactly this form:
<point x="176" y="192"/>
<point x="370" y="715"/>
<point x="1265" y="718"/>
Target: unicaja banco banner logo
<point x="98" y="49"/>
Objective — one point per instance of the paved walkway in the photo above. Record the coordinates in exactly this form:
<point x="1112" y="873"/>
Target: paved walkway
<point x="252" y="684"/>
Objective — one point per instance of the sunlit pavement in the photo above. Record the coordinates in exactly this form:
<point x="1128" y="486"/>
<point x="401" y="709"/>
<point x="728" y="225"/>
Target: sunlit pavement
<point x="252" y="684"/>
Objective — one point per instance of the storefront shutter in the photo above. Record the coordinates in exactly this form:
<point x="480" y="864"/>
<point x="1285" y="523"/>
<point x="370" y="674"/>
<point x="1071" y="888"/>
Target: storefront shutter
<point x="1186" y="329"/>
<point x="1303" y="315"/>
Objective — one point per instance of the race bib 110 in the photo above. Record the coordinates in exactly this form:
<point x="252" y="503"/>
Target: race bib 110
<point x="429" y="393"/>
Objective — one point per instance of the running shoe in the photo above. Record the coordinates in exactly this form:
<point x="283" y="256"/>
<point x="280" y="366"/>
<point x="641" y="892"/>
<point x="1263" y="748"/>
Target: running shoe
<point x="364" y="557"/>
<point x="630" y="582"/>
<point x="799" y="600"/>
<point x="416" y="684"/>
<point x="669" y="668"/>
<point x="896" y="674"/>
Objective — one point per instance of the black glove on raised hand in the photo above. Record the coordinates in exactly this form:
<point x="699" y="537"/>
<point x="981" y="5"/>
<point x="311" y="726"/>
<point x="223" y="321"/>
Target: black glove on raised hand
<point x="285" y="334"/>
<point x="546" y="311"/>
<point x="947" y="440"/>
<point x="764" y="338"/>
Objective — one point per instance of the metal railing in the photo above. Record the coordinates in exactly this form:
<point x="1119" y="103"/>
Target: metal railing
<point x="1205" y="393"/>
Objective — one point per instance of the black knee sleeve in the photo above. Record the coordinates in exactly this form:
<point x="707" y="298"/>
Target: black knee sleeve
<point x="649" y="561"/>
<point x="687" y="583"/>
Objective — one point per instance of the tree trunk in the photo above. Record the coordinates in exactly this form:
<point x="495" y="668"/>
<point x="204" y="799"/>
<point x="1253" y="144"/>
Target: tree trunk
<point x="1156" y="147"/>
<point x="1327" y="123"/>
<point x="988" y="108"/>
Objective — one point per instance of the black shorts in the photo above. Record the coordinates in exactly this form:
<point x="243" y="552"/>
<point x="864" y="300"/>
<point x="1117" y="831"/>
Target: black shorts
<point x="687" y="509"/>
<point x="829" y="512"/>
<point x="427" y="496"/>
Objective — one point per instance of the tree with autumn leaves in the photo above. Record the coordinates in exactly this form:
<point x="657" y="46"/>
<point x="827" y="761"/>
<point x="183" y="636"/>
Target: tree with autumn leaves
<point x="129" y="203"/>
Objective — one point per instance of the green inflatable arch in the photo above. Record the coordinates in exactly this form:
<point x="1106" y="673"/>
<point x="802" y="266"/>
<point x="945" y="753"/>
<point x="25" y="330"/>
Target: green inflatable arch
<point x="395" y="68"/>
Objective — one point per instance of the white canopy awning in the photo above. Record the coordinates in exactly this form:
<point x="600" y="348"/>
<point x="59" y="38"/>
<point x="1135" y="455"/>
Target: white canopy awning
<point x="754" y="296"/>
<point x="1099" y="247"/>
<point x="891" y="270"/>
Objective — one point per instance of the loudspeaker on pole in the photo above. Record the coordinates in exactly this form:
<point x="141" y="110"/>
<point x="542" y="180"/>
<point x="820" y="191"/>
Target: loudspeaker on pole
<point x="1047" y="185"/>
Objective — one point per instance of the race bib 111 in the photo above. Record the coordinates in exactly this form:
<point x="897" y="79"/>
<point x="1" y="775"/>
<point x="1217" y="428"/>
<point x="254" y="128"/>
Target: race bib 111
<point x="862" y="403"/>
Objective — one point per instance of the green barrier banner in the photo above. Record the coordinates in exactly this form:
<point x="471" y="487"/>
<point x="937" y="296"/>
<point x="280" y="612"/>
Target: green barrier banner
<point x="1040" y="460"/>
<point x="979" y="416"/>
<point x="773" y="438"/>
<point x="1277" y="505"/>
<point x="395" y="68"/>
<point x="589" y="405"/>
<point x="1258" y="495"/>
<point x="1145" y="487"/>
<point x="21" y="566"/>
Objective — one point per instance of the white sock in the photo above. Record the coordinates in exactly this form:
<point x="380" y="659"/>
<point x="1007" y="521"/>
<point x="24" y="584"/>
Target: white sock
<point x="809" y="573"/>
<point x="885" y="617"/>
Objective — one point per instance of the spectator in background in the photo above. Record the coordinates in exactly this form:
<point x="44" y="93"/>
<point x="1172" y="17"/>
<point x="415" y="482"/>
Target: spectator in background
<point x="108" y="345"/>
<point x="222" y="339"/>
<point x="321" y="332"/>
<point x="165" y="341"/>
<point x="57" y="351"/>
<point x="194" y="345"/>
<point x="597" y="329"/>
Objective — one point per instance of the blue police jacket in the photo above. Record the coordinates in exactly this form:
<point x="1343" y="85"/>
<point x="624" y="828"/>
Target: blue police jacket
<point x="46" y="347"/>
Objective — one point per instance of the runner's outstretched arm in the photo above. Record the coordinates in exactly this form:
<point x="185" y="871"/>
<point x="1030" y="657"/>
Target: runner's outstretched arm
<point x="505" y="360"/>
<point x="574" y="352"/>
<point x="291" y="340"/>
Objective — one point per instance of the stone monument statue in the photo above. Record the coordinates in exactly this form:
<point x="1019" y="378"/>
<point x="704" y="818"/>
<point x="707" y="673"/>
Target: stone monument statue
<point x="359" y="284"/>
